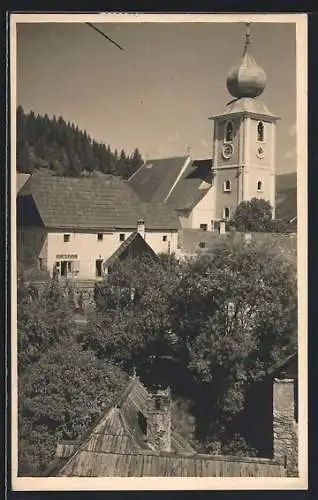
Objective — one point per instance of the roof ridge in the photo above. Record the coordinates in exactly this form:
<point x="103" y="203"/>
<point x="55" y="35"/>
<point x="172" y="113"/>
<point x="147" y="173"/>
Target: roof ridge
<point x="104" y="413"/>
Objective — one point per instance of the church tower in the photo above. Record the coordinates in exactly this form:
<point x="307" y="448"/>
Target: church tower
<point x="244" y="140"/>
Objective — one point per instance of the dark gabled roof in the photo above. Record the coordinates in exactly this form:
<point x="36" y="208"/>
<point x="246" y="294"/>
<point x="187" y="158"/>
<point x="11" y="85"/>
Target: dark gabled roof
<point x="192" y="186"/>
<point x="155" y="178"/>
<point x="91" y="203"/>
<point x="135" y="239"/>
<point x="116" y="447"/>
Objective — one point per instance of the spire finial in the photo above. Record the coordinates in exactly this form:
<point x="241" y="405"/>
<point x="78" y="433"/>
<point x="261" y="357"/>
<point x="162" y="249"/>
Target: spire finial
<point x="247" y="35"/>
<point x="247" y="79"/>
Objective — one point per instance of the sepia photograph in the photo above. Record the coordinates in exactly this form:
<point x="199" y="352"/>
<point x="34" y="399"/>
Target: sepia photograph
<point x="159" y="232"/>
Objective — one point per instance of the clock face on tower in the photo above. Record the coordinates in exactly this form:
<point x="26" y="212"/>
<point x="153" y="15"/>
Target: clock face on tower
<point x="227" y="151"/>
<point x="260" y="152"/>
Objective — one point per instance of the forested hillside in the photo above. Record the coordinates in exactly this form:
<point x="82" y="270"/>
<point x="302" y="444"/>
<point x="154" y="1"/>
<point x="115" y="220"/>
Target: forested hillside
<point x="286" y="196"/>
<point x="61" y="147"/>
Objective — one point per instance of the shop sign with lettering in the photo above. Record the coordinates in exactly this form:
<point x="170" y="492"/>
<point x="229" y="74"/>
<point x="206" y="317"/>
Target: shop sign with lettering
<point x="66" y="256"/>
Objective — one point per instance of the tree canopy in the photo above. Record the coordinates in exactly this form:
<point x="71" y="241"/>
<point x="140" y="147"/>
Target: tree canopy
<point x="234" y="312"/>
<point x="44" y="318"/>
<point x="60" y="396"/>
<point x="209" y="327"/>
<point x="60" y="146"/>
<point x="254" y="215"/>
<point x="61" y="387"/>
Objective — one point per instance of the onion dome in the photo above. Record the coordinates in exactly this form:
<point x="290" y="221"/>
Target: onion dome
<point x="247" y="79"/>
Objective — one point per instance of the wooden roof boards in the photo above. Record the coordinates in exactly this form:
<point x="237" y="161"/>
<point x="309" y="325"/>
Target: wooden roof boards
<point x="155" y="464"/>
<point x="114" y="447"/>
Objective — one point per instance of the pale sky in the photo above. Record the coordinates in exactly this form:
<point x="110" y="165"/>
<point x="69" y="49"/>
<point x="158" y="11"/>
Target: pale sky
<point x="159" y="92"/>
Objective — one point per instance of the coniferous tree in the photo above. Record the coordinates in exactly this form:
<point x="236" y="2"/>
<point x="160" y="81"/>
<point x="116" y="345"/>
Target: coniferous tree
<point x="66" y="150"/>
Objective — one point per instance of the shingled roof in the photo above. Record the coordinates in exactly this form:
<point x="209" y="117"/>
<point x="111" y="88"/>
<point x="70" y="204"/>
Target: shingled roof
<point x="88" y="203"/>
<point x="194" y="183"/>
<point x="115" y="446"/>
<point x="155" y="178"/>
<point x="181" y="182"/>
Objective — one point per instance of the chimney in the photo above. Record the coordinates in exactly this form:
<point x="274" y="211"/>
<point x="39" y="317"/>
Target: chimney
<point x="285" y="432"/>
<point x="159" y="420"/>
<point x="141" y="228"/>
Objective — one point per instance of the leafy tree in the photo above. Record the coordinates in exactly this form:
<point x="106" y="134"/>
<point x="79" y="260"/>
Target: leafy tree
<point x="254" y="215"/>
<point x="44" y="318"/>
<point x="59" y="398"/>
<point x="131" y="325"/>
<point x="209" y="328"/>
<point x="235" y="315"/>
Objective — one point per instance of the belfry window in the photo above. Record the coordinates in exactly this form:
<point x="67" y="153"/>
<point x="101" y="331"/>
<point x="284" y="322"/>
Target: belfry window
<point x="228" y="136"/>
<point x="260" y="132"/>
<point x="227" y="186"/>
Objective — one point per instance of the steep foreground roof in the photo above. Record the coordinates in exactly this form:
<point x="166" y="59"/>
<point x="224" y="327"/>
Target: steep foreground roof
<point x="88" y="203"/>
<point x="155" y="178"/>
<point x="115" y="446"/>
<point x="133" y="245"/>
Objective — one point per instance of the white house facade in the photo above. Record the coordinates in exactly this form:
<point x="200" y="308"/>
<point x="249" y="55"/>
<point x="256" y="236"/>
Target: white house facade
<point x="75" y="225"/>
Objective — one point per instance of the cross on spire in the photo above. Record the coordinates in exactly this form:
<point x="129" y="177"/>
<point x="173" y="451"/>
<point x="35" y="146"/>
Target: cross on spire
<point x="247" y="36"/>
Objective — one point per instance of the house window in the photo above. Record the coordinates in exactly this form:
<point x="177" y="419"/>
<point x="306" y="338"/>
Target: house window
<point x="98" y="268"/>
<point x="226" y="212"/>
<point x="164" y="238"/>
<point x="202" y="244"/>
<point x="66" y="238"/>
<point x="260" y="132"/>
<point x="204" y="227"/>
<point x="122" y="237"/>
<point x="100" y="236"/>
<point x="259" y="186"/>
<point x="228" y="135"/>
<point x="142" y="422"/>
<point x="227" y="186"/>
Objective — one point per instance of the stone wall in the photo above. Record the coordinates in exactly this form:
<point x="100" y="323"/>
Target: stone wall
<point x="285" y="429"/>
<point x="195" y="242"/>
